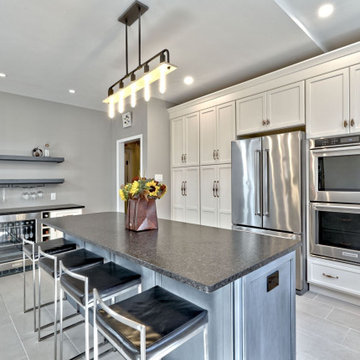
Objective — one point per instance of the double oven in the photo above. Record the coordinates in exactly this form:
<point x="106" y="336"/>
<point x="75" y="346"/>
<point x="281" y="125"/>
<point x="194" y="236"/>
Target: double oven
<point x="335" y="198"/>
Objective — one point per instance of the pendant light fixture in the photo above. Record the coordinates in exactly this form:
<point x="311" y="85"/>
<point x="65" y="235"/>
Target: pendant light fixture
<point x="146" y="76"/>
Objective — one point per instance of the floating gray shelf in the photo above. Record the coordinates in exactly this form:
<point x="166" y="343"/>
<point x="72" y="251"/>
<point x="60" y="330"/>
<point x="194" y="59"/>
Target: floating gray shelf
<point x="31" y="158"/>
<point x="29" y="182"/>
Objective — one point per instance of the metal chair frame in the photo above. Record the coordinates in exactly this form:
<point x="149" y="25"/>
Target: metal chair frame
<point x="142" y="329"/>
<point x="56" y="280"/>
<point x="86" y="307"/>
<point x="34" y="259"/>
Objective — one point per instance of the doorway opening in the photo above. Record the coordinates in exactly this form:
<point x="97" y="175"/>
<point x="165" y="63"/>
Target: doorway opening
<point x="129" y="163"/>
<point x="132" y="160"/>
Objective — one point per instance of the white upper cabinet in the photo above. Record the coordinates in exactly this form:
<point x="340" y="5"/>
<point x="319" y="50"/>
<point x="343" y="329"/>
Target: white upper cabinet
<point x="285" y="106"/>
<point x="217" y="130"/>
<point x="278" y="108"/>
<point x="207" y="136"/>
<point x="327" y="104"/>
<point x="355" y="98"/>
<point x="185" y="140"/>
<point x="177" y="141"/>
<point x="250" y="114"/>
<point x="225" y="131"/>
<point x="215" y="188"/>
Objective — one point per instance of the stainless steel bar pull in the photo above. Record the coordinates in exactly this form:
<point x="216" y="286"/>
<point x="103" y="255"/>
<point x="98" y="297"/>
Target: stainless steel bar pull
<point x="214" y="185"/>
<point x="266" y="181"/>
<point x="185" y="188"/>
<point x="218" y="188"/>
<point x="257" y="182"/>
<point x="182" y="188"/>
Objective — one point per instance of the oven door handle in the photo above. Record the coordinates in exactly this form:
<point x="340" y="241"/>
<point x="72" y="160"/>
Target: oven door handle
<point x="347" y="208"/>
<point x="341" y="150"/>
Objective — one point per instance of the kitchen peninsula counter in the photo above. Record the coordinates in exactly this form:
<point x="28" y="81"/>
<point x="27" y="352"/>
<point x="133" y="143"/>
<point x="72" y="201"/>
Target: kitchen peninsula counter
<point x="227" y="272"/>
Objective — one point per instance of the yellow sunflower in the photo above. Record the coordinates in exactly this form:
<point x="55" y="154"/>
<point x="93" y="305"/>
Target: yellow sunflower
<point x="134" y="188"/>
<point x="122" y="195"/>
<point x="153" y="188"/>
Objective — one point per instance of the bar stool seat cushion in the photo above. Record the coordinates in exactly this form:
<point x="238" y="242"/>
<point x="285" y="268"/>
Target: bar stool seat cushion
<point x="74" y="260"/>
<point x="108" y="279"/>
<point x="51" y="247"/>
<point x="167" y="317"/>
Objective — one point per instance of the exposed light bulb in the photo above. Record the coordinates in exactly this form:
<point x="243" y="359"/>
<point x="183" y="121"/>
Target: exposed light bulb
<point x="121" y="102"/>
<point x="162" y="84"/>
<point x="111" y="109"/>
<point x="147" y="93"/>
<point x="133" y="94"/>
<point x="72" y="91"/>
<point x="325" y="10"/>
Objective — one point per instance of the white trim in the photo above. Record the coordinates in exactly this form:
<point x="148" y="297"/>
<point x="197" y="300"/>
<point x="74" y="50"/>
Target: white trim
<point x="120" y="155"/>
<point x="330" y="61"/>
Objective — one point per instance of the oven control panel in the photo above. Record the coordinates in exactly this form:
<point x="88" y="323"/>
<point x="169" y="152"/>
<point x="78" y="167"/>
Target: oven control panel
<point x="337" y="141"/>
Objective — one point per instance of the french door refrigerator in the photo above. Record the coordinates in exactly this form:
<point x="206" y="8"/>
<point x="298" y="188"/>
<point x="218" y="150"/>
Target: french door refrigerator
<point x="267" y="184"/>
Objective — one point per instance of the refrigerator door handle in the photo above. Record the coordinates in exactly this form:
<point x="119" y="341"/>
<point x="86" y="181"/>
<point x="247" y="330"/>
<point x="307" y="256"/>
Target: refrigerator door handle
<point x="257" y="183"/>
<point x="266" y="181"/>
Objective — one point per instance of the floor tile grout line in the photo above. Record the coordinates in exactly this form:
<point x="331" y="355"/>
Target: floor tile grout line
<point x="17" y="333"/>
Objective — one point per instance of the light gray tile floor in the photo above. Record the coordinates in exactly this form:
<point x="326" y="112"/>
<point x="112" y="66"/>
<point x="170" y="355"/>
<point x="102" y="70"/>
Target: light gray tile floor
<point x="327" y="329"/>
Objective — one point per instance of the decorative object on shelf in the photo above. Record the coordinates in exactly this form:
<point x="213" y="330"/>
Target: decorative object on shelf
<point x="47" y="150"/>
<point x="132" y="14"/>
<point x="141" y="207"/>
<point x="37" y="152"/>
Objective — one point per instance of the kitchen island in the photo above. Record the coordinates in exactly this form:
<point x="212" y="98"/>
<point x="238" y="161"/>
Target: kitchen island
<point x="246" y="281"/>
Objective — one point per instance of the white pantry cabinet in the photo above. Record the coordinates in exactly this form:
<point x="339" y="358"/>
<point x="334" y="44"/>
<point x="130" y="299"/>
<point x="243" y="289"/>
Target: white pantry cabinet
<point x="278" y="108"/>
<point x="215" y="188"/>
<point x="185" y="140"/>
<point x="217" y="130"/>
<point x="185" y="198"/>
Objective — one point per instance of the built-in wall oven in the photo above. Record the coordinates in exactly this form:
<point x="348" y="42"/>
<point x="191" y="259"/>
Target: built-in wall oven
<point x="335" y="198"/>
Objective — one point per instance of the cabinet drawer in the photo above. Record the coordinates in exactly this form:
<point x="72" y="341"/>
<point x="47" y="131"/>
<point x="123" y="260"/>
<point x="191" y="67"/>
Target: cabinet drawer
<point x="335" y="277"/>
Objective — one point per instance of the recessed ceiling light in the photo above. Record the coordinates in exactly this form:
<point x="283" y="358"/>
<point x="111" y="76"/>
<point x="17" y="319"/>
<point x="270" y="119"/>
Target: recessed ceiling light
<point x="188" y="80"/>
<point x="72" y="91"/>
<point x="2" y="75"/>
<point x="325" y="10"/>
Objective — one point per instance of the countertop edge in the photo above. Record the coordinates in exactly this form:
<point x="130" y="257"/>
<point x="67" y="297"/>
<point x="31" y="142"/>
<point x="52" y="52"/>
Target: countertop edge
<point x="33" y="209"/>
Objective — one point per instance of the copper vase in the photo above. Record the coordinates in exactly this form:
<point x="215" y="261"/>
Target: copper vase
<point x="141" y="215"/>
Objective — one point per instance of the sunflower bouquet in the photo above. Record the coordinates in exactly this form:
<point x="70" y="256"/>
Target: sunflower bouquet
<point x="142" y="188"/>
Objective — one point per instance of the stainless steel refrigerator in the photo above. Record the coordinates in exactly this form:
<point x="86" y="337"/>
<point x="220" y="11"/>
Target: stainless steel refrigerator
<point x="267" y="184"/>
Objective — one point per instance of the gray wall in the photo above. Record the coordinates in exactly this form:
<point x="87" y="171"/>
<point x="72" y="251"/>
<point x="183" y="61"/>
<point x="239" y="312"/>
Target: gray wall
<point x="82" y="136"/>
<point x="152" y="121"/>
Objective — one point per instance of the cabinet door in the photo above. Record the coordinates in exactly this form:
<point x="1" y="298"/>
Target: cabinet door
<point x="207" y="136"/>
<point x="192" y="195"/>
<point x="209" y="200"/>
<point x="286" y="106"/>
<point x="355" y="98"/>
<point x="250" y="113"/>
<point x="224" y="196"/>
<point x="327" y="104"/>
<point x="225" y="131"/>
<point x="177" y="197"/>
<point x="192" y="139"/>
<point x="177" y="141"/>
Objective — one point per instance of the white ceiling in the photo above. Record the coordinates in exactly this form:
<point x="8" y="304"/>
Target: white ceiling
<point x="48" y="47"/>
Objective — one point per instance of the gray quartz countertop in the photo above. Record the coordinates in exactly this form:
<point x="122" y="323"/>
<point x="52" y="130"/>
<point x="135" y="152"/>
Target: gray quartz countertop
<point x="204" y="257"/>
<point x="34" y="209"/>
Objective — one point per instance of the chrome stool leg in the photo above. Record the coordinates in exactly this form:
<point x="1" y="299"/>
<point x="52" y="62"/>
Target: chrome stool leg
<point x="206" y="343"/>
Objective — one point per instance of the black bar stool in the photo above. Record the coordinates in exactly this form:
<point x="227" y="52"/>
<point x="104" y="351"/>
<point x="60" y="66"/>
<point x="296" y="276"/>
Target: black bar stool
<point x="73" y="260"/>
<point x="31" y="251"/>
<point x="149" y="325"/>
<point x="109" y="279"/>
